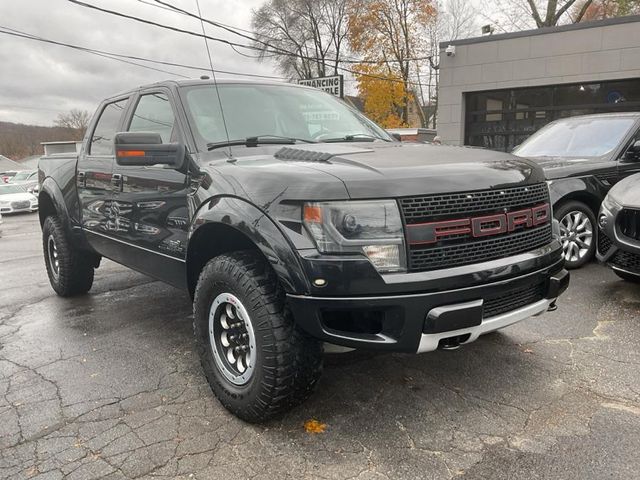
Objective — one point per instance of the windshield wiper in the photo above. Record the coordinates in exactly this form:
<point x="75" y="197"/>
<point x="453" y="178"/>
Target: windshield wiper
<point x="259" y="140"/>
<point x="356" y="137"/>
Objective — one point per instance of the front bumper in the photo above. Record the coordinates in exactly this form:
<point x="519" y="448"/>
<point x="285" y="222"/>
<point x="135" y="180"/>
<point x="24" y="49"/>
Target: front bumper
<point x="614" y="249"/>
<point x="32" y="207"/>
<point x="419" y="322"/>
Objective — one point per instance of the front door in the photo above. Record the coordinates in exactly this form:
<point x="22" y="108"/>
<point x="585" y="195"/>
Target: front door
<point x="94" y="177"/>
<point x="151" y="201"/>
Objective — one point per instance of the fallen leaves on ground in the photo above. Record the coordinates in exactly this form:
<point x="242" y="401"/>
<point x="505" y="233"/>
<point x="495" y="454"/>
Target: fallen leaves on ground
<point x="314" y="426"/>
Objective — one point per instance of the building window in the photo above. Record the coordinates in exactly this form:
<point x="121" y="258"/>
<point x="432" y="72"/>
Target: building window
<point x="502" y="119"/>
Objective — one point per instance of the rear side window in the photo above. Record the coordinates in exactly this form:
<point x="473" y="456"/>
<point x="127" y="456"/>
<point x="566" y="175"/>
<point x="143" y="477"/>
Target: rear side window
<point x="106" y="129"/>
<point x="154" y="114"/>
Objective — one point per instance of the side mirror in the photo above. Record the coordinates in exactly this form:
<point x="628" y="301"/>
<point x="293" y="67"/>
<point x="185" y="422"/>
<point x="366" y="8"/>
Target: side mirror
<point x="633" y="152"/>
<point x="146" y="149"/>
<point x="397" y="136"/>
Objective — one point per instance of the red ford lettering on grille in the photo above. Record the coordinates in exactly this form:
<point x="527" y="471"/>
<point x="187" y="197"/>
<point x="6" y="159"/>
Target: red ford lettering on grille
<point x="477" y="227"/>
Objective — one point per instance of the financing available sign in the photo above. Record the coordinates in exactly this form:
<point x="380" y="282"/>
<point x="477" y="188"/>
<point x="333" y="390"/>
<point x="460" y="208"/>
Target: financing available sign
<point x="333" y="85"/>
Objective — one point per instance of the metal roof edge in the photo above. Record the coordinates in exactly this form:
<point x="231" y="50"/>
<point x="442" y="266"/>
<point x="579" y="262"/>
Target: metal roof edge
<point x="543" y="31"/>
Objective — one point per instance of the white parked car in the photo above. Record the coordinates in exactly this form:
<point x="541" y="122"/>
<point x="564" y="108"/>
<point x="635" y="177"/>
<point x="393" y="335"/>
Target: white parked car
<point x="14" y="199"/>
<point x="27" y="179"/>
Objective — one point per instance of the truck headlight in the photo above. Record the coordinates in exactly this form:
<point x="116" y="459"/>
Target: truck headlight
<point x="372" y="228"/>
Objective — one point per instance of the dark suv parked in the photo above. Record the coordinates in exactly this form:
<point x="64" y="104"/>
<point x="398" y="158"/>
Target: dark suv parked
<point x="582" y="158"/>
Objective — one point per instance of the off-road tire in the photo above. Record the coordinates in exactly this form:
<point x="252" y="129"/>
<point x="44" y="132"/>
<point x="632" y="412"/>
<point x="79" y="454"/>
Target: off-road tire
<point x="288" y="362"/>
<point x="75" y="267"/>
<point x="577" y="206"/>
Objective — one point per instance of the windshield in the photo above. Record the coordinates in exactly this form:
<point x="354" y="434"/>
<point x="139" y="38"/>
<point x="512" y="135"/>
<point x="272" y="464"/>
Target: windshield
<point x="576" y="137"/>
<point x="7" y="189"/>
<point x="21" y="176"/>
<point x="273" y="110"/>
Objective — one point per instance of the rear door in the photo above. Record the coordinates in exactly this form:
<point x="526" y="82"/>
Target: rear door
<point x="151" y="201"/>
<point x="94" y="176"/>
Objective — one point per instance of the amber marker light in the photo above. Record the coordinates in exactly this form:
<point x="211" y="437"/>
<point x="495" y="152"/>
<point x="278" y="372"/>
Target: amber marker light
<point x="131" y="153"/>
<point x="312" y="214"/>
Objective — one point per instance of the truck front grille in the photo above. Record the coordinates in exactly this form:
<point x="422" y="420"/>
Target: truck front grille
<point x="513" y="300"/>
<point x="437" y="207"/>
<point x="461" y="249"/>
<point x="629" y="223"/>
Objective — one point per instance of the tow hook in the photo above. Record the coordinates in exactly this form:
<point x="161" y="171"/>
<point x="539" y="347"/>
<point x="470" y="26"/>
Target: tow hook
<point x="552" y="307"/>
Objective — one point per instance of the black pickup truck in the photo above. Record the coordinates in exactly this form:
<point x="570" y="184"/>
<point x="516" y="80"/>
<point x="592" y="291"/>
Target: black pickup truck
<point x="293" y="220"/>
<point x="582" y="158"/>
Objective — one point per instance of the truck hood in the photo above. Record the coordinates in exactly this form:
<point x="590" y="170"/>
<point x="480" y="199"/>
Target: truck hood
<point x="560" y="167"/>
<point x="272" y="174"/>
<point x="393" y="170"/>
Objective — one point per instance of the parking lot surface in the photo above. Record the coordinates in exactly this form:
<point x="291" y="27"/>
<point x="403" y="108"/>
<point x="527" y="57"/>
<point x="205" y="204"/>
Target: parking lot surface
<point x="108" y="386"/>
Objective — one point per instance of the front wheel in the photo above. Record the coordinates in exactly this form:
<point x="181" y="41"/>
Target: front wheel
<point x="258" y="363"/>
<point x="70" y="271"/>
<point x="577" y="233"/>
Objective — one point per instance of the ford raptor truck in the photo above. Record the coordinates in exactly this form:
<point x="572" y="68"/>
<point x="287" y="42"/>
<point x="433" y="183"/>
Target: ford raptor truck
<point x="293" y="221"/>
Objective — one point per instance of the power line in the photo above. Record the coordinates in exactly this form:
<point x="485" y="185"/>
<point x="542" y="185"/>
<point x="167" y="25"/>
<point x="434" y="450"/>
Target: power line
<point x="167" y="6"/>
<point x="117" y="56"/>
<point x="230" y="43"/>
<point x="8" y="31"/>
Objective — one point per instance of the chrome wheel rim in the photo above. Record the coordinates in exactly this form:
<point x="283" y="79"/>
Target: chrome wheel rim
<point x="576" y="233"/>
<point x="232" y="338"/>
<point x="52" y="253"/>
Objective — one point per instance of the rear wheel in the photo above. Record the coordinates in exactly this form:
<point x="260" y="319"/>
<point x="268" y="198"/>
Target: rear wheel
<point x="576" y="233"/>
<point x="257" y="362"/>
<point x="70" y="271"/>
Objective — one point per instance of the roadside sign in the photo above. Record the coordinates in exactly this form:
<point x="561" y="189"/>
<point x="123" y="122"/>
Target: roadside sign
<point x="333" y="85"/>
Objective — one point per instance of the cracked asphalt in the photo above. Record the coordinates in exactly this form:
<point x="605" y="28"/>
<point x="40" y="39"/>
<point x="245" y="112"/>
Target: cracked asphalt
<point x="108" y="386"/>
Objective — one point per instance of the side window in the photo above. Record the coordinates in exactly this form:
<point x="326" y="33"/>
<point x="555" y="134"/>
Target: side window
<point x="106" y="129"/>
<point x="153" y="114"/>
<point x="632" y="152"/>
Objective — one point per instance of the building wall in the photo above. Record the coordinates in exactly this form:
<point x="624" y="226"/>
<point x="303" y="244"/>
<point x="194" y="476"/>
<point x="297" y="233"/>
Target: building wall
<point x="592" y="51"/>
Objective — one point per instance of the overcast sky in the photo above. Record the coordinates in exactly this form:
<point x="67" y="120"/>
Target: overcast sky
<point x="37" y="80"/>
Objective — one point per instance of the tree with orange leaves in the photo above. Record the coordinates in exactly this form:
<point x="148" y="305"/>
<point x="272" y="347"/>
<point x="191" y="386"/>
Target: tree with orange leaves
<point x="383" y="94"/>
<point x="392" y="33"/>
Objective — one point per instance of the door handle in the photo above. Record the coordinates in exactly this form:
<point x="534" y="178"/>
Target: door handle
<point x="81" y="179"/>
<point x="116" y="181"/>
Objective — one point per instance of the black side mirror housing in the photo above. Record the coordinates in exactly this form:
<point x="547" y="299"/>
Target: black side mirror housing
<point x="397" y="136"/>
<point x="146" y="149"/>
<point x="633" y="152"/>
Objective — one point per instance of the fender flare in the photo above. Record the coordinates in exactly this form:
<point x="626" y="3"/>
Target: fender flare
<point x="53" y="191"/>
<point x="260" y="229"/>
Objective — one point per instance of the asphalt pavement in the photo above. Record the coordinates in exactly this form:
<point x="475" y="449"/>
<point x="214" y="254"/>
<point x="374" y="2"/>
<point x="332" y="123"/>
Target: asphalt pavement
<point x="108" y="386"/>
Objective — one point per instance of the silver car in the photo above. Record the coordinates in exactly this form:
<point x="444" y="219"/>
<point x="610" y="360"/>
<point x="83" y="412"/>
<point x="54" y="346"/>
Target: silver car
<point x="15" y="199"/>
